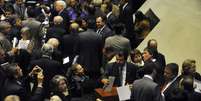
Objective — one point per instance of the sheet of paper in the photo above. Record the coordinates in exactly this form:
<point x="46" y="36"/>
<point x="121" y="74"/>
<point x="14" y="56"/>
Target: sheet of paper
<point x="124" y="93"/>
<point x="108" y="88"/>
<point x="66" y="60"/>
<point x="14" y="42"/>
<point x="197" y="85"/>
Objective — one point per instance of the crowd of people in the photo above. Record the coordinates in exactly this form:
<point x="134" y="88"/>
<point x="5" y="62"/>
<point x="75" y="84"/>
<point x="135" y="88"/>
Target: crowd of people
<point x="61" y="50"/>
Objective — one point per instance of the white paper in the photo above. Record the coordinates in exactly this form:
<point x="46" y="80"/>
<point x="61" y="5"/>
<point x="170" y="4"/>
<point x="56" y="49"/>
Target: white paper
<point x="23" y="44"/>
<point x="108" y="88"/>
<point x="14" y="42"/>
<point x="66" y="60"/>
<point x="124" y="93"/>
<point x="197" y="85"/>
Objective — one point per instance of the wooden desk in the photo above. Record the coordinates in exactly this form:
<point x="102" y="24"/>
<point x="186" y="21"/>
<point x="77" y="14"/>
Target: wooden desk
<point x="107" y="96"/>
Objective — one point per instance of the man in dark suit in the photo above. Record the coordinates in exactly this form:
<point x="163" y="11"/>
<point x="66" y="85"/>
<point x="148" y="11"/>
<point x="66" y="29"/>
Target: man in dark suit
<point x="152" y="43"/>
<point x="123" y="71"/>
<point x="171" y="81"/>
<point x="89" y="51"/>
<point x="50" y="67"/>
<point x="69" y="43"/>
<point x="60" y="10"/>
<point x="148" y="57"/>
<point x="16" y="85"/>
<point x="102" y="27"/>
<point x="146" y="89"/>
<point x="57" y="30"/>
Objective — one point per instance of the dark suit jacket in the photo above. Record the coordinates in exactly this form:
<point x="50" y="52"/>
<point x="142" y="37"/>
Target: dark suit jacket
<point x="112" y="69"/>
<point x="56" y="32"/>
<point x="161" y="59"/>
<point x="112" y="20"/>
<point x="193" y="96"/>
<point x="145" y="90"/>
<point x="64" y="15"/>
<point x="170" y="89"/>
<point x="69" y="45"/>
<point x="106" y="32"/>
<point x="89" y="51"/>
<point x="159" y="79"/>
<point x="13" y="87"/>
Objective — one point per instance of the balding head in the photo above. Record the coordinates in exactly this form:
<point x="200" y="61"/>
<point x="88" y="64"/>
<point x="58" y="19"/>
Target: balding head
<point x="152" y="43"/>
<point x="12" y="98"/>
<point x="58" y="20"/>
<point x="54" y="42"/>
<point x="74" y="27"/>
<point x="47" y="49"/>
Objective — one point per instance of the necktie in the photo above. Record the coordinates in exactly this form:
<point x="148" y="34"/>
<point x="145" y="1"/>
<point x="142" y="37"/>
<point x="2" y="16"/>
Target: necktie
<point x="120" y="75"/>
<point x="98" y="31"/>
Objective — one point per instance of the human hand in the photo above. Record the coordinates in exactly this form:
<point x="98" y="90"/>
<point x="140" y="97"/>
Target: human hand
<point x="105" y="81"/>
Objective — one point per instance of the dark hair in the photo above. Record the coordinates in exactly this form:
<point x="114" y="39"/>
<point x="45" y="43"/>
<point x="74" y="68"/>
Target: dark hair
<point x="149" y="67"/>
<point x="109" y="7"/>
<point x="123" y="53"/>
<point x="31" y="12"/>
<point x="10" y="69"/>
<point x="173" y="67"/>
<point x="150" y="50"/>
<point x="103" y="17"/>
<point x="139" y="15"/>
<point x="119" y="28"/>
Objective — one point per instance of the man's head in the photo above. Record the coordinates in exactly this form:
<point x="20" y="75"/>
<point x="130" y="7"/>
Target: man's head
<point x="100" y="21"/>
<point x="151" y="68"/>
<point x="13" y="70"/>
<point x="148" y="54"/>
<point x="152" y="43"/>
<point x="19" y="2"/>
<point x="59" y="5"/>
<point x="54" y="42"/>
<point x="189" y="67"/>
<point x="74" y="27"/>
<point x="119" y="28"/>
<point x="58" y="20"/>
<point x="121" y="57"/>
<point x="77" y="69"/>
<point x="171" y="71"/>
<point x="47" y="49"/>
<point x="12" y="98"/>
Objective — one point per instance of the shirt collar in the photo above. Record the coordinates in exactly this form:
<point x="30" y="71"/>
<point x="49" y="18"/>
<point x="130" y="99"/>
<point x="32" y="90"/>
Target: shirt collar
<point x="148" y="76"/>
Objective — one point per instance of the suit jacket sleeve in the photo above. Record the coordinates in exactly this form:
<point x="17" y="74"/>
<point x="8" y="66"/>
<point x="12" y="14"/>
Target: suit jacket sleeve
<point x="157" y="94"/>
<point x="38" y="95"/>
